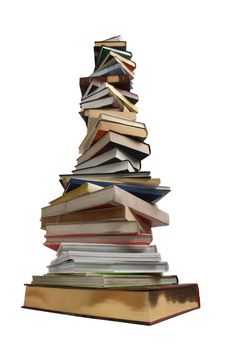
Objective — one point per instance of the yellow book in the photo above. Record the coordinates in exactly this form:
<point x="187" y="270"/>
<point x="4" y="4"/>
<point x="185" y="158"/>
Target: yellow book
<point x="77" y="192"/>
<point x="129" y="105"/>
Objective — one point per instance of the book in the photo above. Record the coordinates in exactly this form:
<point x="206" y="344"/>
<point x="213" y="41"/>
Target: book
<point x="130" y="226"/>
<point x="117" y="41"/>
<point x="105" y="123"/>
<point x="109" y="101"/>
<point x="83" y="265"/>
<point x="112" y="156"/>
<point x="121" y="166"/>
<point x="94" y="228"/>
<point x="102" y="252"/>
<point x="110" y="196"/>
<point x="104" y="280"/>
<point x="125" y="239"/>
<point x="121" y="213"/>
<point x="137" y="149"/>
<point x="107" y="248"/>
<point x="143" y="305"/>
<point x="119" y="81"/>
<point x="85" y="188"/>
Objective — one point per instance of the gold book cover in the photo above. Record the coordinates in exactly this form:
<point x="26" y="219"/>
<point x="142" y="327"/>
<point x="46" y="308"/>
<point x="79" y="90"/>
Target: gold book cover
<point x="145" y="305"/>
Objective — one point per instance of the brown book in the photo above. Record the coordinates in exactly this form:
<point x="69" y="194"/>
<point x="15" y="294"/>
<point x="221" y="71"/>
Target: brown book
<point x="143" y="305"/>
<point x="119" y="81"/>
<point x="106" y="214"/>
<point x="110" y="196"/>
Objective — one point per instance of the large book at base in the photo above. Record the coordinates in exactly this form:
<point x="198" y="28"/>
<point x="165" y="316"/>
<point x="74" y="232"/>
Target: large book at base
<point x="101" y="224"/>
<point x="140" y="305"/>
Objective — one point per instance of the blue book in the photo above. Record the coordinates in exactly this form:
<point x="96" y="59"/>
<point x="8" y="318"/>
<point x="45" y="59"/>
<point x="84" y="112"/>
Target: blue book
<point x="151" y="195"/>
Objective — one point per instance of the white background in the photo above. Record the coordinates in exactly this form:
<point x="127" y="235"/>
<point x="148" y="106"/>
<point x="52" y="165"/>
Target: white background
<point x="184" y="78"/>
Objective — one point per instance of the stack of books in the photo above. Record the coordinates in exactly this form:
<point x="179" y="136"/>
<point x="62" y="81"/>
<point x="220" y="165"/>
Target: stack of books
<point x="101" y="226"/>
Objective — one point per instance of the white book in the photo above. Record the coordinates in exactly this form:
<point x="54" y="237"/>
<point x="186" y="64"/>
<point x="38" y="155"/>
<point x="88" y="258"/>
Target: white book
<point x="72" y="267"/>
<point x="106" y="248"/>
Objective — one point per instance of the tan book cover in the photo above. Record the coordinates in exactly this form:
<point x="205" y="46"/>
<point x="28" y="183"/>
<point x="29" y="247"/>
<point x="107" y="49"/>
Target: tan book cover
<point x="110" y="196"/>
<point x="106" y="214"/>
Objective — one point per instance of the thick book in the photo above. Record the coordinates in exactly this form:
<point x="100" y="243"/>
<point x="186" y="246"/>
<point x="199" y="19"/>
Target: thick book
<point x="94" y="228"/>
<point x="143" y="305"/>
<point x="137" y="149"/>
<point x="110" y="196"/>
<point x="112" y="156"/>
<point x="121" y="213"/>
<point x="119" y="81"/>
